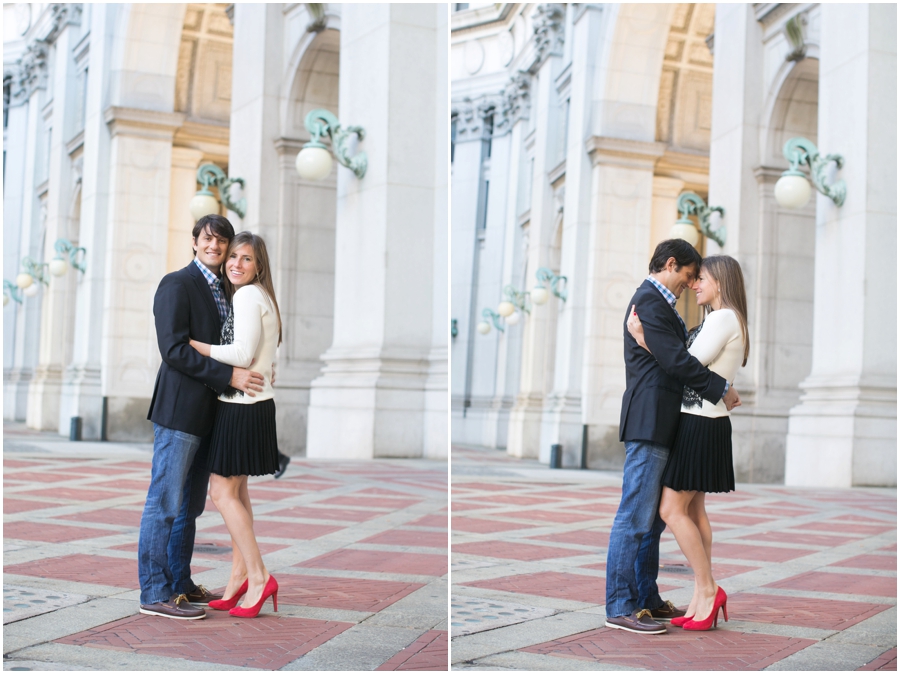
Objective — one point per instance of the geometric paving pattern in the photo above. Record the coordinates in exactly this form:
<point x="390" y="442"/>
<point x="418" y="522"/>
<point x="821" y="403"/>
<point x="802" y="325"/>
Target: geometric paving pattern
<point x="716" y="650"/>
<point x="796" y="563"/>
<point x="265" y="642"/>
<point x="72" y="524"/>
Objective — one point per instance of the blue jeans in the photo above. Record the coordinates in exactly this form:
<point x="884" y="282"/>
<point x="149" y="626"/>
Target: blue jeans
<point x="179" y="480"/>
<point x="632" y="561"/>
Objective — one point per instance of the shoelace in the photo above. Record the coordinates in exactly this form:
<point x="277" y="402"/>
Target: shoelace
<point x="181" y="598"/>
<point x="643" y="612"/>
<point x="202" y="590"/>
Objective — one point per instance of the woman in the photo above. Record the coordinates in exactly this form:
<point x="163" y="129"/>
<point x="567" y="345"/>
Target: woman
<point x="243" y="437"/>
<point x="700" y="459"/>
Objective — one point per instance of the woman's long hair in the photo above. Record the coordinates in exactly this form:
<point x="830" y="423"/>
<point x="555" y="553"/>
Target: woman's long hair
<point x="727" y="273"/>
<point x="263" y="270"/>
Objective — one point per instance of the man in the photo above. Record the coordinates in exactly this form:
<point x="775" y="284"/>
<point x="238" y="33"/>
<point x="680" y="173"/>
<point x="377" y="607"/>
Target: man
<point x="651" y="408"/>
<point x="189" y="304"/>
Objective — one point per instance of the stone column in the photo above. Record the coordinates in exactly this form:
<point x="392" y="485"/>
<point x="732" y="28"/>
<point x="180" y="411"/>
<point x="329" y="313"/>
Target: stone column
<point x="562" y="421"/>
<point x="370" y="400"/>
<point x="537" y="350"/>
<point x="844" y="431"/>
<point x="466" y="195"/>
<point x="617" y="264"/>
<point x="56" y="329"/>
<point x="185" y="162"/>
<point x="82" y="394"/>
<point x="30" y="93"/>
<point x="136" y="250"/>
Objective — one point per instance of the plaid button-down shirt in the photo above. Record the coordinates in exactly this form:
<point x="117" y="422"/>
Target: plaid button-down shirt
<point x="671" y="299"/>
<point x="216" y="286"/>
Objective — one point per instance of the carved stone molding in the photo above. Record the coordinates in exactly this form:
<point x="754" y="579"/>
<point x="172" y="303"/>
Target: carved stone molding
<point x="516" y="100"/>
<point x="549" y="31"/>
<point x="62" y="15"/>
<point x="143" y="123"/>
<point x="624" y="153"/>
<point x="29" y="73"/>
<point x="470" y="116"/>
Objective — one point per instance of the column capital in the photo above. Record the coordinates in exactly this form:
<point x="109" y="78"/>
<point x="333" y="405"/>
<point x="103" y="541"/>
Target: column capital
<point x="549" y="31"/>
<point x="623" y="152"/>
<point x="143" y="123"/>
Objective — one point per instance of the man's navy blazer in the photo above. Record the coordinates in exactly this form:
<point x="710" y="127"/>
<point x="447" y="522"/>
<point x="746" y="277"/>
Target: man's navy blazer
<point x="651" y="406"/>
<point x="188" y="384"/>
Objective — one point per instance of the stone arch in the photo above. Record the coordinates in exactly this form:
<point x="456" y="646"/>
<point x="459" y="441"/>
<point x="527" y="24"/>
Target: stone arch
<point x="627" y="90"/>
<point x="146" y="46"/>
<point x="311" y="80"/>
<point x="791" y="109"/>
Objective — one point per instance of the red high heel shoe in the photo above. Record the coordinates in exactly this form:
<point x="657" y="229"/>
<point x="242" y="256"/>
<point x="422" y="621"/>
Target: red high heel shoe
<point x="679" y="622"/>
<point x="225" y="604"/>
<point x="713" y="620"/>
<point x="270" y="590"/>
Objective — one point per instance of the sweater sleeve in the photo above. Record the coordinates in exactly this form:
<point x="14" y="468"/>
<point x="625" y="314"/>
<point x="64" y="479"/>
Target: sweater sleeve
<point x="248" y="312"/>
<point x="719" y="328"/>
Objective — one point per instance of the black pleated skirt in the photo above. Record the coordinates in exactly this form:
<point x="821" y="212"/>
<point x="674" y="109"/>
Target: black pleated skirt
<point x="700" y="459"/>
<point x="243" y="439"/>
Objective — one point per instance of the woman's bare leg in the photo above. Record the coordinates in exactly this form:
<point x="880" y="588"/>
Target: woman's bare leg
<point x="697" y="513"/>
<point x="238" y="567"/>
<point x="226" y="494"/>
<point x="674" y="507"/>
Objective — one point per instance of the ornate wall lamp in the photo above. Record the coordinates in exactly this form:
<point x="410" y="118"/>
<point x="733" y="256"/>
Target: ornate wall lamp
<point x="59" y="266"/>
<point x="484" y="327"/>
<point x="11" y="291"/>
<point x="514" y="300"/>
<point x="693" y="204"/>
<point x="33" y="272"/>
<point x="540" y="294"/>
<point x="205" y="202"/>
<point x="792" y="189"/>
<point x="314" y="160"/>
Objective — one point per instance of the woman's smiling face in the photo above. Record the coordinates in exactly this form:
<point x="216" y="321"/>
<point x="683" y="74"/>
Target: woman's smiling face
<point x="241" y="266"/>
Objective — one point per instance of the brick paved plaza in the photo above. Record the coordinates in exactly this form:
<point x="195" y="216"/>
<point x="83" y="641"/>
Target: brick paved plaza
<point x="811" y="575"/>
<point x="359" y="550"/>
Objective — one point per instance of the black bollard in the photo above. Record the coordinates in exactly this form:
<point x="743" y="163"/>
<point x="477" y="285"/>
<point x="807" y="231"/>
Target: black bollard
<point x="75" y="429"/>
<point x="556" y="456"/>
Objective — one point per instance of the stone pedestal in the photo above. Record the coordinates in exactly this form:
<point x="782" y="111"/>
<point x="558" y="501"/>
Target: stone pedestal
<point x="844" y="431"/>
<point x="370" y="400"/>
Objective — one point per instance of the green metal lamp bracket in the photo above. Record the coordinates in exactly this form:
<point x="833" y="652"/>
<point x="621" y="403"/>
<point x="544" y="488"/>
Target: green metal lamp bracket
<point x="800" y="151"/>
<point x="66" y="247"/>
<point x="494" y="317"/>
<point x="518" y="299"/>
<point x="322" y="122"/>
<point x="36" y="270"/>
<point x="13" y="290"/>
<point x="544" y="275"/>
<point x="689" y="204"/>
<point x="209" y="175"/>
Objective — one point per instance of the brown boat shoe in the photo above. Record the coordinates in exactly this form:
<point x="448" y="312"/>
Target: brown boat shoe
<point x="638" y="622"/>
<point x="666" y="612"/>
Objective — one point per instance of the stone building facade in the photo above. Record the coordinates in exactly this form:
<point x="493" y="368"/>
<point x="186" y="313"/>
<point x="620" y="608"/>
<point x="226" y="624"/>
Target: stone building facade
<point x="109" y="110"/>
<point x="575" y="129"/>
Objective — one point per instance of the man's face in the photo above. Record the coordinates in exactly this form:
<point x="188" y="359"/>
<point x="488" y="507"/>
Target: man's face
<point x="210" y="249"/>
<point x="679" y="279"/>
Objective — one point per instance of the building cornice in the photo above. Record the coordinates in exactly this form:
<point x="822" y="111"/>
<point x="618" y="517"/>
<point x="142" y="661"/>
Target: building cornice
<point x="623" y="152"/>
<point x="481" y="17"/>
<point x="143" y="123"/>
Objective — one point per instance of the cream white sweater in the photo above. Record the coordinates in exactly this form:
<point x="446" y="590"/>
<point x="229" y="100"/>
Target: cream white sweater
<point x="719" y="346"/>
<point x="255" y="340"/>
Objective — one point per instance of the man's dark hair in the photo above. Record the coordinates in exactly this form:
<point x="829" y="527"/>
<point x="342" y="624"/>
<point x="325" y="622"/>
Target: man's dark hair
<point x="218" y="226"/>
<point x="683" y="252"/>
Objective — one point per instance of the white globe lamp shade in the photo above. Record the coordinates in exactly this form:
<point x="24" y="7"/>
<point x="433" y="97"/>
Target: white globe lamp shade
<point x="686" y="231"/>
<point x="505" y="308"/>
<point x="792" y="190"/>
<point x="540" y="295"/>
<point x="31" y="290"/>
<point x="24" y="280"/>
<point x="58" y="266"/>
<point x="513" y="318"/>
<point x="484" y="327"/>
<point x="313" y="163"/>
<point x="5" y="299"/>
<point x="203" y="204"/>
